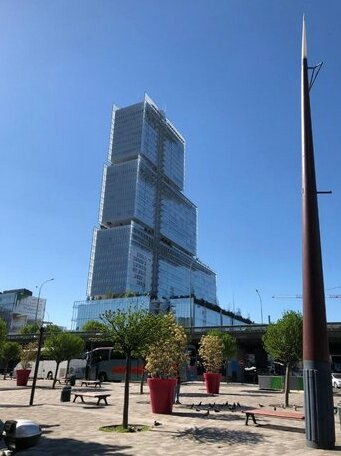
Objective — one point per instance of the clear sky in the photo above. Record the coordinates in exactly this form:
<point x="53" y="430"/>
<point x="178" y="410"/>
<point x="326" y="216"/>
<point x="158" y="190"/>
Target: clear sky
<point x="227" y="73"/>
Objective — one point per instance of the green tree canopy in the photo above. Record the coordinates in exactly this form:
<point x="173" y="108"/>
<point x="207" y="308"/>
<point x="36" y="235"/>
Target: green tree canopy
<point x="94" y="325"/>
<point x="10" y="351"/>
<point x="283" y="341"/>
<point x="29" y="328"/>
<point x="3" y="330"/>
<point x="62" y="347"/>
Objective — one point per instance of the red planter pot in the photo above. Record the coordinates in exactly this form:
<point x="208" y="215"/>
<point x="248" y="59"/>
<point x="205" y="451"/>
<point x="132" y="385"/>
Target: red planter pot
<point x="162" y="394"/>
<point x="212" y="382"/>
<point x="22" y="376"/>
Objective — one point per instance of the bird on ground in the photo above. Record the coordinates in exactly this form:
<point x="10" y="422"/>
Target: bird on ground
<point x="216" y="410"/>
<point x="238" y="405"/>
<point x="191" y="406"/>
<point x="207" y="413"/>
<point x="226" y="403"/>
<point x="261" y="405"/>
<point x="198" y="410"/>
<point x="156" y="423"/>
<point x="199" y="404"/>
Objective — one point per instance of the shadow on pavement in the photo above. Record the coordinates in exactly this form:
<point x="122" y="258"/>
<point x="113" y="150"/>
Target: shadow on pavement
<point x="56" y="447"/>
<point x="195" y="395"/>
<point x="212" y="415"/>
<point x="278" y="427"/>
<point x="216" y="435"/>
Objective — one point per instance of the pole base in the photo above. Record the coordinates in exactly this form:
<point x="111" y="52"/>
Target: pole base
<point x="318" y="405"/>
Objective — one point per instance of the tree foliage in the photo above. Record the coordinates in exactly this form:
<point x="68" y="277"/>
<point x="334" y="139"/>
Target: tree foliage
<point x="168" y="351"/>
<point x="29" y="328"/>
<point x="3" y="330"/>
<point x="132" y="331"/>
<point x="10" y="351"/>
<point x="211" y="349"/>
<point x="28" y="354"/>
<point x="283" y="341"/>
<point x="62" y="347"/>
<point x="94" y="325"/>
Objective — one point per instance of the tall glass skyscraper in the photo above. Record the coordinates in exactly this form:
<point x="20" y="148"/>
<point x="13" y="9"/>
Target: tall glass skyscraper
<point x="146" y="241"/>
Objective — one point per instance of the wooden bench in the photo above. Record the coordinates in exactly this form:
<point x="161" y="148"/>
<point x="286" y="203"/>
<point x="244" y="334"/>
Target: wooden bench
<point x="288" y="415"/>
<point x="91" y="383"/>
<point x="98" y="396"/>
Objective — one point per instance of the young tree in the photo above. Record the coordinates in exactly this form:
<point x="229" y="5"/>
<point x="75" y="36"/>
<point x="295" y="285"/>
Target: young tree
<point x="283" y="341"/>
<point x="10" y="351"/>
<point x="63" y="347"/>
<point x="229" y="346"/>
<point x="130" y="332"/>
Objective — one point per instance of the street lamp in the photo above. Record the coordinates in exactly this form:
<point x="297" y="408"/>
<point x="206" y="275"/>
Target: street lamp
<point x="41" y="286"/>
<point x="261" y="306"/>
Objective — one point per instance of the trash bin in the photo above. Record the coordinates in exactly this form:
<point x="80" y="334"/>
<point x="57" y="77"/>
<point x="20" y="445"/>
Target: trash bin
<point x="72" y="380"/>
<point x="65" y="395"/>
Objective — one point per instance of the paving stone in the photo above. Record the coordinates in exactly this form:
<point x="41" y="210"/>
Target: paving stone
<point x="73" y="428"/>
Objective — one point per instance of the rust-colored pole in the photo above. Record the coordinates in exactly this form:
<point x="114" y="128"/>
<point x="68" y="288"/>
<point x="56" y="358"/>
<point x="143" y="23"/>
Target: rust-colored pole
<point x="318" y="394"/>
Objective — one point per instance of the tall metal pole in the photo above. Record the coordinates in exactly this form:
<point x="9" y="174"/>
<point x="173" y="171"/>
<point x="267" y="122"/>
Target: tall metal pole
<point x="318" y="394"/>
<point x="40" y="343"/>
<point x="41" y="286"/>
<point x="261" y="306"/>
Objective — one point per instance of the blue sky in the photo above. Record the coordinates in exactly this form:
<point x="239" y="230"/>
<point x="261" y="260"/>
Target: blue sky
<point x="227" y="74"/>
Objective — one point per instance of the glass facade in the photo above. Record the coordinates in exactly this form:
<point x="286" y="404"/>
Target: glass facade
<point x="186" y="311"/>
<point x="146" y="241"/>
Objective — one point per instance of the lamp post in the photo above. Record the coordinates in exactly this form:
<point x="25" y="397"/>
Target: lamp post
<point x="261" y="306"/>
<point x="41" y="286"/>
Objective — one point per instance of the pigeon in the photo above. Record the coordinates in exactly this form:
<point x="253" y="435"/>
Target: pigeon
<point x="226" y="403"/>
<point x="156" y="423"/>
<point x="199" y="404"/>
<point x="238" y="405"/>
<point x="198" y="410"/>
<point x="216" y="410"/>
<point x="191" y="406"/>
<point x="260" y="405"/>
<point x="207" y="413"/>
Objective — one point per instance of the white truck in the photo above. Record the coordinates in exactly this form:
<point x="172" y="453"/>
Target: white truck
<point x="47" y="368"/>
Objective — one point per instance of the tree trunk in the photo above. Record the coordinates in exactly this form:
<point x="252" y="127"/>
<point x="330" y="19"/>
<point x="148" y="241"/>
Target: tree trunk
<point x="55" y="376"/>
<point x="142" y="378"/>
<point x="5" y="370"/>
<point x="67" y="368"/>
<point x="126" y="392"/>
<point x="286" y="385"/>
<point x="226" y="369"/>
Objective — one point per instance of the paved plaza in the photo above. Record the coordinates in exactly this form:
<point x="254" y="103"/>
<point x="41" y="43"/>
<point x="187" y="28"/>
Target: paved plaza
<point x="73" y="428"/>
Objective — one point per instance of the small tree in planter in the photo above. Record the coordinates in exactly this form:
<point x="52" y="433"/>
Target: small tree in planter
<point x="27" y="355"/>
<point x="211" y="349"/>
<point x="163" y="360"/>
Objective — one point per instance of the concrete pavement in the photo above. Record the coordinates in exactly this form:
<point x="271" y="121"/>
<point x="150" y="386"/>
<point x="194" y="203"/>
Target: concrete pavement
<point x="73" y="428"/>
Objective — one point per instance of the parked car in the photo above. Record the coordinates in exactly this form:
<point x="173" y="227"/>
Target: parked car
<point x="336" y="380"/>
